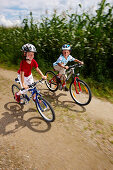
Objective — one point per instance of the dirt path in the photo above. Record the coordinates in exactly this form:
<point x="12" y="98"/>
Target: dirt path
<point x="81" y="138"/>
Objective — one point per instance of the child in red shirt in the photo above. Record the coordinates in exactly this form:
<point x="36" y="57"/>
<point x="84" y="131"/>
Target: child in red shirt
<point x="24" y="73"/>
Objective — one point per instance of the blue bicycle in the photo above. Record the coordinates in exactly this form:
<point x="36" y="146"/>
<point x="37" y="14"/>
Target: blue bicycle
<point x="42" y="105"/>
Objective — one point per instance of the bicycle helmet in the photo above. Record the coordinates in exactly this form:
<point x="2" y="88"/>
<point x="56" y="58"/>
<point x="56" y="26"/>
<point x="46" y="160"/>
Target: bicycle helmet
<point x="66" y="47"/>
<point x="29" y="48"/>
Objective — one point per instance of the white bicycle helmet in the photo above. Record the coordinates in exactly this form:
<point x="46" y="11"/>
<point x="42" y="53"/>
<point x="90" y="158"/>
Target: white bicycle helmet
<point x="66" y="47"/>
<point x="29" y="48"/>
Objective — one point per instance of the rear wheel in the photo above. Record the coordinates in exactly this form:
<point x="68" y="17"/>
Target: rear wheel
<point x="45" y="109"/>
<point x="51" y="81"/>
<point x="80" y="93"/>
<point x="16" y="89"/>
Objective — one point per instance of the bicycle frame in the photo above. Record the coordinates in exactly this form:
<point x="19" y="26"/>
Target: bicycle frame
<point x="42" y="105"/>
<point x="58" y="83"/>
<point x="71" y="72"/>
<point x="35" y="91"/>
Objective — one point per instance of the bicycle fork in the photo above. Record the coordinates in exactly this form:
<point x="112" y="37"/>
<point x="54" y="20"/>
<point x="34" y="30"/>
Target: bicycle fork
<point x="75" y="84"/>
<point x="39" y="100"/>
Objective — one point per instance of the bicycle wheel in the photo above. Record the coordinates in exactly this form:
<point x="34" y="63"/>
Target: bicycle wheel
<point x="45" y="109"/>
<point x="15" y="89"/>
<point x="51" y="81"/>
<point x="81" y="94"/>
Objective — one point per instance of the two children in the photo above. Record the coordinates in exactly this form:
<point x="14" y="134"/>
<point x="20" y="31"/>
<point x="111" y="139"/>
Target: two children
<point x="60" y="64"/>
<point x="24" y="73"/>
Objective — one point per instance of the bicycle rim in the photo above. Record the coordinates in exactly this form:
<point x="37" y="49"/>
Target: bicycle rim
<point x="51" y="81"/>
<point x="45" y="109"/>
<point x="81" y="94"/>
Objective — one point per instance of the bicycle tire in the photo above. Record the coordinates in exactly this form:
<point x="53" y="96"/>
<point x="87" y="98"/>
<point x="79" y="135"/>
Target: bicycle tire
<point x="15" y="89"/>
<point x="50" y="82"/>
<point x="45" y="109"/>
<point x="83" y="97"/>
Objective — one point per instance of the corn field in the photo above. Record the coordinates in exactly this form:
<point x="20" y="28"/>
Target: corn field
<point x="91" y="38"/>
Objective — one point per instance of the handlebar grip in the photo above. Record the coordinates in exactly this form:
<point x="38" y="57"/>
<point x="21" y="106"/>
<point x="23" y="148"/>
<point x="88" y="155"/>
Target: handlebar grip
<point x="33" y="84"/>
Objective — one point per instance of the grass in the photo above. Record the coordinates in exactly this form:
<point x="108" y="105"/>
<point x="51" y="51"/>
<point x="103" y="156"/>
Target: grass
<point x="103" y="90"/>
<point x="111" y="142"/>
<point x="99" y="122"/>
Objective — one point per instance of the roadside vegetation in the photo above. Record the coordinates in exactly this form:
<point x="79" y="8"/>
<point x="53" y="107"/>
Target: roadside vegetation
<point x="91" y="37"/>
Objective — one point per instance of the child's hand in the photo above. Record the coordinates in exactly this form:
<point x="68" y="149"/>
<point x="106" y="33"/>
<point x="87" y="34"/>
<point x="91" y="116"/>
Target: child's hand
<point x="81" y="62"/>
<point x="66" y="67"/>
<point x="44" y="77"/>
<point x="25" y="86"/>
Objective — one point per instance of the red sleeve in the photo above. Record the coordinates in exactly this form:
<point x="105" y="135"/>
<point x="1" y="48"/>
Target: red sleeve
<point x="35" y="64"/>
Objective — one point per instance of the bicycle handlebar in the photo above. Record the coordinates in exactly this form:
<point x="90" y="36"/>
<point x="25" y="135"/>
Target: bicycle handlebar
<point x="76" y="65"/>
<point x="33" y="84"/>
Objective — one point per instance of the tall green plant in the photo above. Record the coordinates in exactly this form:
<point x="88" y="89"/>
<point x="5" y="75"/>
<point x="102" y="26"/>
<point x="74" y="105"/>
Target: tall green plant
<point x="91" y="37"/>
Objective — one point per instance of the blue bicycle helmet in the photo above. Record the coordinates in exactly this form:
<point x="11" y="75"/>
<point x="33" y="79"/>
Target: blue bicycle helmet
<point x="66" y="47"/>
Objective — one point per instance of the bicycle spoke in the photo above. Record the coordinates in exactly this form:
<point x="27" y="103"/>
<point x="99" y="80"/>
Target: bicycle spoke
<point x="51" y="81"/>
<point x="45" y="109"/>
<point x="80" y="93"/>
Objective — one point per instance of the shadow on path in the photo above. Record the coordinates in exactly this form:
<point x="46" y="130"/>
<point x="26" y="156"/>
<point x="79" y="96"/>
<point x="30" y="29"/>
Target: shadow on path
<point x="61" y="100"/>
<point x="14" y="117"/>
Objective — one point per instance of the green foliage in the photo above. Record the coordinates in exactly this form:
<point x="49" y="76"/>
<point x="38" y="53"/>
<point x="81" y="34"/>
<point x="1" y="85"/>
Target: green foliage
<point x="91" y="38"/>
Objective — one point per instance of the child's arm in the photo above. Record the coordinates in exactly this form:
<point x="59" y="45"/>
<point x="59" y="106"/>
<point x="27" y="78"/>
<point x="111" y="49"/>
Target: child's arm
<point x="22" y="80"/>
<point x="78" y="61"/>
<point x="39" y="71"/>
<point x="61" y="65"/>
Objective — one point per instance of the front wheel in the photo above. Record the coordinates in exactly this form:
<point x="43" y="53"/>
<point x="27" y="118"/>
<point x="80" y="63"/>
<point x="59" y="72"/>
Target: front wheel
<point x="51" y="81"/>
<point x="45" y="109"/>
<point x="80" y="92"/>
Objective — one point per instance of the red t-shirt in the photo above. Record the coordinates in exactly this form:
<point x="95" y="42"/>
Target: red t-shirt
<point x="26" y="68"/>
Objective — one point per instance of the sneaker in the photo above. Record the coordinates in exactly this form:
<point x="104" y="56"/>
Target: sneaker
<point x="17" y="97"/>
